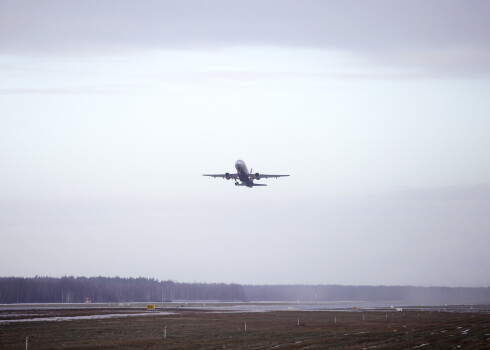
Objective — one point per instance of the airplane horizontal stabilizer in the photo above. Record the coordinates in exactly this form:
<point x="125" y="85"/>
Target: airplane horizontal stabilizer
<point x="260" y="184"/>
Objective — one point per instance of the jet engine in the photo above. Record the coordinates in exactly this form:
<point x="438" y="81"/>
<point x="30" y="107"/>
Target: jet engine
<point x="257" y="176"/>
<point x="227" y="176"/>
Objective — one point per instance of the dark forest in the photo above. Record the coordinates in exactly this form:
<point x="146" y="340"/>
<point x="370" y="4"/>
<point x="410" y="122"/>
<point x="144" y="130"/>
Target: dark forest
<point x="117" y="289"/>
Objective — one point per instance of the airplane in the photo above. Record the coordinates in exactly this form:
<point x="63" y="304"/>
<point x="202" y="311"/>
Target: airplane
<point x="247" y="178"/>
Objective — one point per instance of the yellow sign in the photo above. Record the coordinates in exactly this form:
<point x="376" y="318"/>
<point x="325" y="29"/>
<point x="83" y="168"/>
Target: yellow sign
<point x="150" y="307"/>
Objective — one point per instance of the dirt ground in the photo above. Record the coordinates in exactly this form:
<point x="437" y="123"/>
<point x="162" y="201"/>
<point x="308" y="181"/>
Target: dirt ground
<point x="264" y="330"/>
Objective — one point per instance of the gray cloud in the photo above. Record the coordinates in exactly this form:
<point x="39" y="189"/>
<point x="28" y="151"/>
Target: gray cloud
<point x="443" y="35"/>
<point x="256" y="75"/>
<point x="223" y="76"/>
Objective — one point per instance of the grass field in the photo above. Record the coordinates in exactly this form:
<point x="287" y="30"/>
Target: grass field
<point x="187" y="329"/>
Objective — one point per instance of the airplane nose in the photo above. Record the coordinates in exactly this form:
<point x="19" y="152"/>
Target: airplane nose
<point x="238" y="164"/>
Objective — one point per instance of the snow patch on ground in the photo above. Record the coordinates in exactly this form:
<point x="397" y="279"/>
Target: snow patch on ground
<point x="91" y="317"/>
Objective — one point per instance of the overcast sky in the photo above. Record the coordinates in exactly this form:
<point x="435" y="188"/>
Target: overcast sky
<point x="110" y="112"/>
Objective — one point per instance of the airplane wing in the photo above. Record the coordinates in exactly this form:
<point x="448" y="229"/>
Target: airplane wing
<point x="266" y="176"/>
<point x="224" y="176"/>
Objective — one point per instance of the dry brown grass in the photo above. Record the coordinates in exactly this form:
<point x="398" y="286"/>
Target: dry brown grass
<point x="266" y="330"/>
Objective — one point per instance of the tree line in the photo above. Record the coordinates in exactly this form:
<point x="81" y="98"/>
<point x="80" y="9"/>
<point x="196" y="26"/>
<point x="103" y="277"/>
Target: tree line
<point x="110" y="289"/>
<point x="117" y="289"/>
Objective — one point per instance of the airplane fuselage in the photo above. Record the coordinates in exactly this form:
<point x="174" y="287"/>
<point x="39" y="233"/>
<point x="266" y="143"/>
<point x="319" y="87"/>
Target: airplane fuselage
<point x="243" y="173"/>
